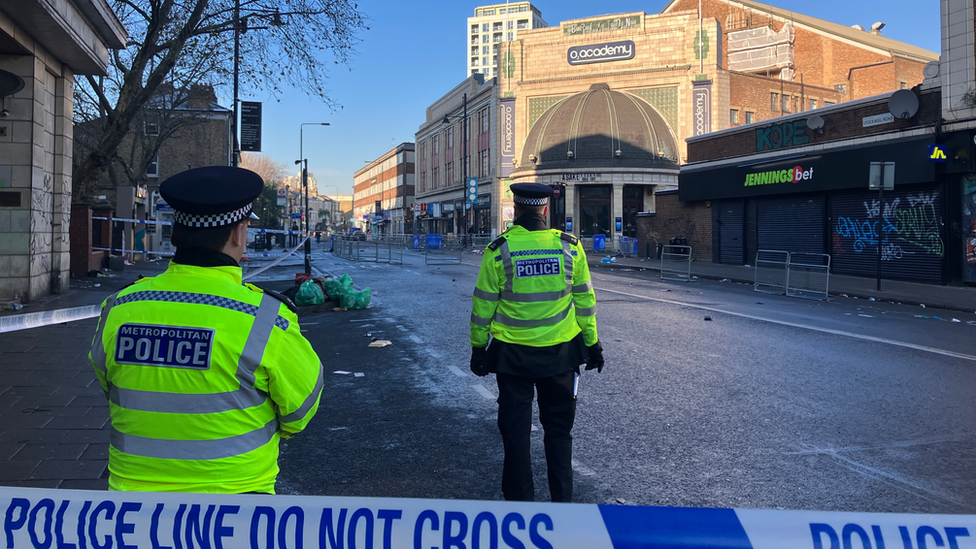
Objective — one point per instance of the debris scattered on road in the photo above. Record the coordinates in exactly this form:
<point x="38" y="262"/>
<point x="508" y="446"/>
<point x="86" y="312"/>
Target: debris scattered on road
<point x="844" y="295"/>
<point x="848" y="314"/>
<point x="956" y="320"/>
<point x="665" y="290"/>
<point x="341" y="372"/>
<point x="359" y="374"/>
<point x="380" y="343"/>
<point x="871" y="299"/>
<point x="98" y="285"/>
<point x="759" y="303"/>
<point x="724" y="280"/>
<point x="708" y="318"/>
<point x="922" y="305"/>
<point x="865" y="316"/>
<point x="338" y="428"/>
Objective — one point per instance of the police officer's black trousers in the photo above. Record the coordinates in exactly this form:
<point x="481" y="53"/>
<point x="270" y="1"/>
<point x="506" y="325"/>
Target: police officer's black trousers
<point x="557" y="411"/>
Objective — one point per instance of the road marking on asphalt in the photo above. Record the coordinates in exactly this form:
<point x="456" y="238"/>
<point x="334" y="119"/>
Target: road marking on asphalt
<point x="583" y="469"/>
<point x="483" y="392"/>
<point x="862" y="337"/>
<point x="457" y="371"/>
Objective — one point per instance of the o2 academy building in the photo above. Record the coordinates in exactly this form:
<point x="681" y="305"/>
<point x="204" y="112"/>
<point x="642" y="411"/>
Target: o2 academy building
<point x="600" y="107"/>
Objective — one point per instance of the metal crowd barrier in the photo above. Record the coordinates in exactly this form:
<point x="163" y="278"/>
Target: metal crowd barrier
<point x="441" y="249"/>
<point x="380" y="250"/>
<point x="627" y="245"/>
<point x="772" y="271"/>
<point x="676" y="263"/>
<point x="809" y="275"/>
<point x="793" y="274"/>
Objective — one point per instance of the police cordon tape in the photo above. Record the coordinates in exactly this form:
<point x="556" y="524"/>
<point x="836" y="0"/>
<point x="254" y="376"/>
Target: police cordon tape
<point x="74" y="519"/>
<point x="171" y="254"/>
<point x="14" y="323"/>
<point x="150" y="222"/>
<point x="40" y="319"/>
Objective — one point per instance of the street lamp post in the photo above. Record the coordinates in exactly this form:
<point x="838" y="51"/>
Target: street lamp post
<point x="301" y="158"/>
<point x="239" y="24"/>
<point x="464" y="151"/>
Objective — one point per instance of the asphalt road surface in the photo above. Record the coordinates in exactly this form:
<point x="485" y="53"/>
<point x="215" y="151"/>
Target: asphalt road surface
<point x="773" y="403"/>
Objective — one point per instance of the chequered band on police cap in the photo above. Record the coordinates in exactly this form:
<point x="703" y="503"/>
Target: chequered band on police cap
<point x="212" y="220"/>
<point x="531" y="201"/>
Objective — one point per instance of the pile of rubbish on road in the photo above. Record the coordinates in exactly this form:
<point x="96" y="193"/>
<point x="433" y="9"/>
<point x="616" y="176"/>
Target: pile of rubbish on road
<point x="317" y="290"/>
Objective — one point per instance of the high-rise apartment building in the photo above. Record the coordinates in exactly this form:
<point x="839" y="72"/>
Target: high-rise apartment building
<point x="494" y="25"/>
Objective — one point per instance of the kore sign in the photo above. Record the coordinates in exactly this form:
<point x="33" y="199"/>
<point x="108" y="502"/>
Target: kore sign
<point x="601" y="53"/>
<point x="777" y="136"/>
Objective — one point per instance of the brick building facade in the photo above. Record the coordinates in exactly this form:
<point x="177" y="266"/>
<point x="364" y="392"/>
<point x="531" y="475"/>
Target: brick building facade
<point x="740" y="62"/>
<point x="384" y="191"/>
<point x="46" y="45"/>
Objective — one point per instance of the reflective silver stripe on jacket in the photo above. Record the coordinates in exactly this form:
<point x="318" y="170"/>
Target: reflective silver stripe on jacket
<point x="487" y="296"/>
<point x="586" y="311"/>
<point x="194" y="449"/>
<point x="535" y="323"/>
<point x="302" y="410"/>
<point x="208" y="403"/>
<point x="506" y="256"/>
<point x="98" y="346"/>
<point x="583" y="288"/>
<point x="535" y="297"/>
<point x="478" y="321"/>
<point x="568" y="263"/>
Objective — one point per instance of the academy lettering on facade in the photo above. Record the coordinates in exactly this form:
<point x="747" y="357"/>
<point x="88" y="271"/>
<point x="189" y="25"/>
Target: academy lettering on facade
<point x="794" y="175"/>
<point x="507" y="108"/>
<point x="601" y="53"/>
<point x="168" y="346"/>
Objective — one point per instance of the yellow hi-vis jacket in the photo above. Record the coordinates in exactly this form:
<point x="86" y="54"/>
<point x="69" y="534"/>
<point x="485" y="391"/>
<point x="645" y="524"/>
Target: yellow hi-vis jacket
<point x="204" y="375"/>
<point x="533" y="289"/>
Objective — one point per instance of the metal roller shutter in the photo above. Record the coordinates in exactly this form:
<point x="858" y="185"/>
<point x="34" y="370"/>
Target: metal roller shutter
<point x="731" y="231"/>
<point x="791" y="223"/>
<point x="913" y="241"/>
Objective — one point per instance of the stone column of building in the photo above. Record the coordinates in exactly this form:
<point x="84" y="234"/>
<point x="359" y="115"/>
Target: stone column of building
<point x="571" y="207"/>
<point x="616" y="210"/>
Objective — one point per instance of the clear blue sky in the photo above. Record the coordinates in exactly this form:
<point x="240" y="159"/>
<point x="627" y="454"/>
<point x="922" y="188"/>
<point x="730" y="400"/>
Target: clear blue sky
<point x="415" y="53"/>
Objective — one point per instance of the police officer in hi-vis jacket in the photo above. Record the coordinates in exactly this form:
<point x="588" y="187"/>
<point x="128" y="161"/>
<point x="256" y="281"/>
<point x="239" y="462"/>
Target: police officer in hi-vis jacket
<point x="534" y="298"/>
<point x="204" y="374"/>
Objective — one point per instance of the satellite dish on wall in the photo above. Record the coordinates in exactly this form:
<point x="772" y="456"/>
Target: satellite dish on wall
<point x="10" y="83"/>
<point x="815" y="122"/>
<point x="931" y="69"/>
<point x="903" y="104"/>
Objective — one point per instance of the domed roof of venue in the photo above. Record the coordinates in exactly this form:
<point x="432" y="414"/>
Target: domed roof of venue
<point x="599" y="128"/>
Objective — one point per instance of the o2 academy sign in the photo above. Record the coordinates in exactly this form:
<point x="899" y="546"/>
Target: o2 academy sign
<point x="601" y="53"/>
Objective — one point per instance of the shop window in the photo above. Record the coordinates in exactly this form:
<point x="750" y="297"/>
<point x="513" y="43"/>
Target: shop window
<point x="733" y="116"/>
<point x="774" y="101"/>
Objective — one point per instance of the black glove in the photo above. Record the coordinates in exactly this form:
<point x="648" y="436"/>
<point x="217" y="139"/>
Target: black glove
<point x="594" y="357"/>
<point x="478" y="356"/>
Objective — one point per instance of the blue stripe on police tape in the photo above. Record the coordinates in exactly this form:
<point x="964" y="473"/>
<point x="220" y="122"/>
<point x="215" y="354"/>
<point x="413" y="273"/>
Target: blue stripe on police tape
<point x="673" y="528"/>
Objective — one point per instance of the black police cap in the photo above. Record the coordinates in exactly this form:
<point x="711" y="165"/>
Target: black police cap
<point x="531" y="194"/>
<point x="214" y="196"/>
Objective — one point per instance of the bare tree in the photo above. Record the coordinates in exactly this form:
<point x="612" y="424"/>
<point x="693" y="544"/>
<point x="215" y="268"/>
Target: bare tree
<point x="273" y="173"/>
<point x="189" y="42"/>
<point x="270" y="170"/>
